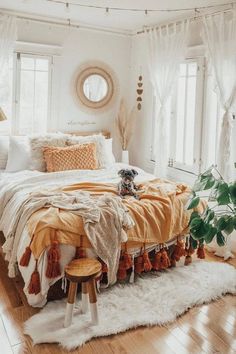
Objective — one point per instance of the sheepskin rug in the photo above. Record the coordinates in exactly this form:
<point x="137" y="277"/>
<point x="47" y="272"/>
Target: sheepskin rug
<point x="151" y="300"/>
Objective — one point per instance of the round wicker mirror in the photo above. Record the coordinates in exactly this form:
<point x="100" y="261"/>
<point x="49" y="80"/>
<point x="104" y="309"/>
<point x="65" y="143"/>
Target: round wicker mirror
<point x="95" y="86"/>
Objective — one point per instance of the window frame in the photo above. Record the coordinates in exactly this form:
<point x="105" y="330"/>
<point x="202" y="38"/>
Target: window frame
<point x="198" y="127"/>
<point x="14" y="127"/>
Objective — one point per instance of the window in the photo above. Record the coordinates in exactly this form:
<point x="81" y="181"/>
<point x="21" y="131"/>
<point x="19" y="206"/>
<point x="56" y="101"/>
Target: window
<point x="186" y="117"/>
<point x="30" y="91"/>
<point x="185" y="109"/>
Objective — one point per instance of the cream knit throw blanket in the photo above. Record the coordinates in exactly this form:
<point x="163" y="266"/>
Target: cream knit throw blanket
<point x="104" y="233"/>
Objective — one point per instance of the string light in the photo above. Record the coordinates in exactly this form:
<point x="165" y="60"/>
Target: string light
<point x="140" y="10"/>
<point x="107" y="11"/>
<point x="67" y="7"/>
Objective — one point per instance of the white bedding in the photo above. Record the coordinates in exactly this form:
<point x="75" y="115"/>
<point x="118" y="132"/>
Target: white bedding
<point x="13" y="189"/>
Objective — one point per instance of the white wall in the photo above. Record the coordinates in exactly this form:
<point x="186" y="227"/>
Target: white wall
<point x="77" y="47"/>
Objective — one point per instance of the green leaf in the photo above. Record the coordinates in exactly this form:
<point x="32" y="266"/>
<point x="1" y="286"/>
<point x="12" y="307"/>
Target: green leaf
<point x="222" y="195"/>
<point x="220" y="238"/>
<point x="210" y="181"/>
<point x="221" y="223"/>
<point x="234" y="222"/>
<point x="210" y="235"/>
<point x="194" y="243"/>
<point x="193" y="216"/>
<point x="232" y="192"/>
<point x="209" y="215"/>
<point x="193" y="203"/>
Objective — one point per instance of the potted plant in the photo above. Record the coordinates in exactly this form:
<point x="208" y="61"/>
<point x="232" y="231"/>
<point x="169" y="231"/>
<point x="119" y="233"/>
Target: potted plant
<point x="219" y="217"/>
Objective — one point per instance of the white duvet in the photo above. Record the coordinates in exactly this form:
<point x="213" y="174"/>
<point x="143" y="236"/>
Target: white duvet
<point x="13" y="189"/>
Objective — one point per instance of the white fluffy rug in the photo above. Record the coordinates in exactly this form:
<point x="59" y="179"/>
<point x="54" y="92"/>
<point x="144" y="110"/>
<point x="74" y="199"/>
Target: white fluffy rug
<point x="152" y="300"/>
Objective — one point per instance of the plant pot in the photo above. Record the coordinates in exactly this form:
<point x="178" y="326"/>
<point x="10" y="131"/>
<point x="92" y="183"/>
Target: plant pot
<point x="125" y="157"/>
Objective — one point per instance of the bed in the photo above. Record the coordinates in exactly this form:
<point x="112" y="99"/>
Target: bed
<point x="14" y="187"/>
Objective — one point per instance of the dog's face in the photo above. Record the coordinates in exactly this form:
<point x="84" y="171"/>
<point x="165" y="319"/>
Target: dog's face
<point x="127" y="175"/>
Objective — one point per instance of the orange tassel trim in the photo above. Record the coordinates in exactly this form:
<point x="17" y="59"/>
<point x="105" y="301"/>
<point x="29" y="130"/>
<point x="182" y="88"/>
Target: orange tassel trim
<point x="189" y="253"/>
<point x="138" y="265"/>
<point x="24" y="261"/>
<point x="127" y="260"/>
<point x="147" y="265"/>
<point x="80" y="253"/>
<point x="34" y="285"/>
<point x="179" y="251"/>
<point x="122" y="273"/>
<point x="156" y="264"/>
<point x="201" y="252"/>
<point x="53" y="268"/>
<point x="165" y="261"/>
<point x="104" y="268"/>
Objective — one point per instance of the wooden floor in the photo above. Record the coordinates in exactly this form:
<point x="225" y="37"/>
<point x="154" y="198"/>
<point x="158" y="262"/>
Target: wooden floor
<point x="205" y="329"/>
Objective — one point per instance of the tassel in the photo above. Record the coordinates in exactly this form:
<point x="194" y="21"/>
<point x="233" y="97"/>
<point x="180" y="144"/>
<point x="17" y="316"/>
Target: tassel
<point x="121" y="274"/>
<point x="127" y="260"/>
<point x="104" y="268"/>
<point x="147" y="265"/>
<point x="156" y="265"/>
<point x="165" y="262"/>
<point x="53" y="268"/>
<point x="34" y="285"/>
<point x="188" y="260"/>
<point x="80" y="253"/>
<point x="201" y="252"/>
<point x="138" y="265"/>
<point x="179" y="250"/>
<point x="24" y="261"/>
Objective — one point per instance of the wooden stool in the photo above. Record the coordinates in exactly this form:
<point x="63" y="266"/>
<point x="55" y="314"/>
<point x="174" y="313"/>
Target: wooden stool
<point x="83" y="270"/>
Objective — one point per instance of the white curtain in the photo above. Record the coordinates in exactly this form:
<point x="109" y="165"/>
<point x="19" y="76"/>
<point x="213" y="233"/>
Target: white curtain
<point x="219" y="36"/>
<point x="7" y="41"/>
<point x="166" y="49"/>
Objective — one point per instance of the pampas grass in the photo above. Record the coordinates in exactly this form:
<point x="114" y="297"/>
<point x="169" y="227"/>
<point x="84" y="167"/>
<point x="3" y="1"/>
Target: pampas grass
<point x="125" y="124"/>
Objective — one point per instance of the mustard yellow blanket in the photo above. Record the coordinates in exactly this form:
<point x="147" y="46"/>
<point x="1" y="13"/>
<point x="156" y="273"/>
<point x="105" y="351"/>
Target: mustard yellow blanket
<point x="159" y="215"/>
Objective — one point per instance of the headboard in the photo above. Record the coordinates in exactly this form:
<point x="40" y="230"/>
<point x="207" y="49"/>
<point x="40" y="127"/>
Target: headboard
<point x="105" y="133"/>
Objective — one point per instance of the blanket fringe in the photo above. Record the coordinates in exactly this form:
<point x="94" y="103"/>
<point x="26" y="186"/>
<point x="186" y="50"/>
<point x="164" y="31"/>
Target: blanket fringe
<point x="24" y="261"/>
<point x="53" y="268"/>
<point x="34" y="285"/>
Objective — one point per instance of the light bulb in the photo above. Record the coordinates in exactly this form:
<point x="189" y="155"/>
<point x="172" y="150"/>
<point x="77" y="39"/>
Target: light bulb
<point x="67" y="7"/>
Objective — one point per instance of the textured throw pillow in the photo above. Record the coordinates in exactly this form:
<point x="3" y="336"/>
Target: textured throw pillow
<point x="98" y="139"/>
<point x="4" y="146"/>
<point x="76" y="157"/>
<point x="37" y="143"/>
<point x="19" y="154"/>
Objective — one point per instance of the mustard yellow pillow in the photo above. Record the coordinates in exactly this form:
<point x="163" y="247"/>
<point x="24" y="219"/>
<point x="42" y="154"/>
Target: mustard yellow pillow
<point x="76" y="157"/>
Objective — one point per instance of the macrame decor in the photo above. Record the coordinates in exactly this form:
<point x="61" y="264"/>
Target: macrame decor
<point x="139" y="92"/>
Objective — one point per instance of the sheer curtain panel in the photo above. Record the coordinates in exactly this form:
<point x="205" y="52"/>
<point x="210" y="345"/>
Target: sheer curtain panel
<point x="219" y="36"/>
<point x="7" y="41"/>
<point x="166" y="49"/>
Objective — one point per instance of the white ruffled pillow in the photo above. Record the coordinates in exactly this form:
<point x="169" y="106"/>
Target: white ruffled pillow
<point x="38" y="142"/>
<point x="4" y="147"/>
<point x="19" y="154"/>
<point x="99" y="140"/>
<point x="110" y="158"/>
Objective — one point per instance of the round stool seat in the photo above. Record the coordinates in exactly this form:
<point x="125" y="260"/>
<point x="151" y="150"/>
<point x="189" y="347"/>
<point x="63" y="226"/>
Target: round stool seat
<point x="83" y="269"/>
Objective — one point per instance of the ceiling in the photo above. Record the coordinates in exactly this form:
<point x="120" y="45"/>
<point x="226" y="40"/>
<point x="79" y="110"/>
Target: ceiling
<point x="114" y="20"/>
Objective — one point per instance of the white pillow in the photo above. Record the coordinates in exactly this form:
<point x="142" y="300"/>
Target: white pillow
<point x="110" y="158"/>
<point x="98" y="139"/>
<point x="37" y="142"/>
<point x="4" y="146"/>
<point x="19" y="154"/>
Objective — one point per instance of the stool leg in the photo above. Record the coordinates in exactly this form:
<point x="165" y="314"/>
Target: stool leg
<point x="85" y="298"/>
<point x="93" y="301"/>
<point x="70" y="304"/>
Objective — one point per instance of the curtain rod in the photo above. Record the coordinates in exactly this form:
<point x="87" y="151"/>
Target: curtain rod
<point x="191" y="19"/>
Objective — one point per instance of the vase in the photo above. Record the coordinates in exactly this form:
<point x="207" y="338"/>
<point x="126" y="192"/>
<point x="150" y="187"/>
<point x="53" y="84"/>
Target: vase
<point x="125" y="157"/>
